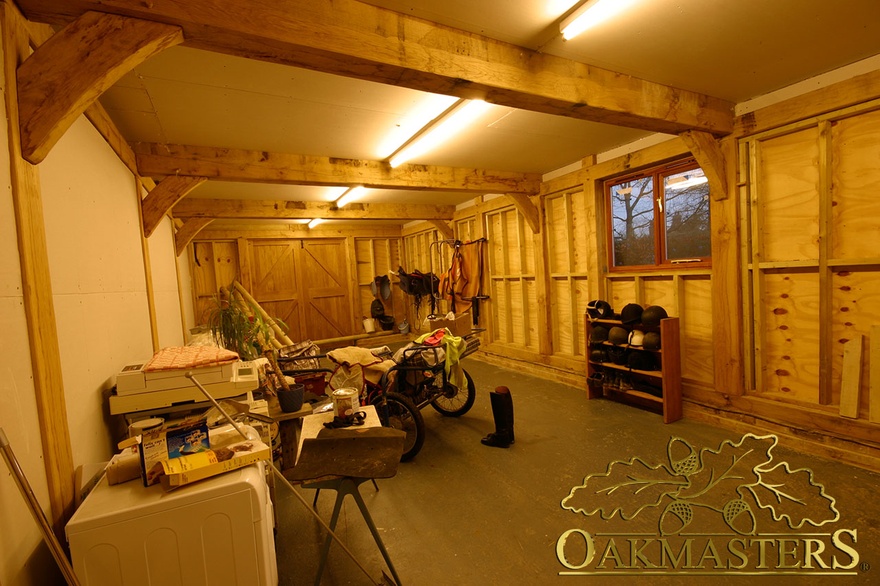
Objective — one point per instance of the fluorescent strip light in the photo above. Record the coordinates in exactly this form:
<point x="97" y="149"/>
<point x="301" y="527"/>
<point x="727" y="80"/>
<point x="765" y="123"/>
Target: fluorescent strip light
<point x="351" y="195"/>
<point x="590" y="14"/>
<point x="421" y="114"/>
<point x="315" y="222"/>
<point x="457" y="120"/>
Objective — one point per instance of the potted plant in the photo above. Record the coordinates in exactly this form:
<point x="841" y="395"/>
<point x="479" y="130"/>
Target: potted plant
<point x="242" y="327"/>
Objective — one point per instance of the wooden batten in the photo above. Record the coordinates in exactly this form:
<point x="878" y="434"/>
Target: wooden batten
<point x="75" y="66"/>
<point x="874" y="375"/>
<point x="850" y="384"/>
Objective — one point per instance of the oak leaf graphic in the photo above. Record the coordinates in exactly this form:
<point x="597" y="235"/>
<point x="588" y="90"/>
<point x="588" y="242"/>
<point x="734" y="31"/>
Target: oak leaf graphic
<point x="792" y="496"/>
<point x="626" y="488"/>
<point x="729" y="480"/>
<point x="724" y="470"/>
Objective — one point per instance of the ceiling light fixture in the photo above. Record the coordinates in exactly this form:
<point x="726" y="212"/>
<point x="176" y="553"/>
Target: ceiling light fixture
<point x="590" y="14"/>
<point x="455" y="119"/>
<point x="315" y="222"/>
<point x="351" y="195"/>
<point x="420" y="114"/>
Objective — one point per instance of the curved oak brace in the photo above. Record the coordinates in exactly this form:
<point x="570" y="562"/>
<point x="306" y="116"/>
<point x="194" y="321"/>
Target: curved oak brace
<point x="707" y="150"/>
<point x="528" y="209"/>
<point x="188" y="231"/>
<point x="65" y="75"/>
<point x="162" y="198"/>
<point x="444" y="228"/>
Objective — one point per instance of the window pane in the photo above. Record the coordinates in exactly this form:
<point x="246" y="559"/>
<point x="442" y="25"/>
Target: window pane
<point x="686" y="197"/>
<point x="632" y="222"/>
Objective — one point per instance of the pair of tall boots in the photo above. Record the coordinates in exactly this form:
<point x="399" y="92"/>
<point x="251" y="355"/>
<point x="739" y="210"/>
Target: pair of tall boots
<point x="502" y="412"/>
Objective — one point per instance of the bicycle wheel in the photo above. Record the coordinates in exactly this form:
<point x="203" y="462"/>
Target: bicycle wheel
<point x="455" y="401"/>
<point x="398" y="412"/>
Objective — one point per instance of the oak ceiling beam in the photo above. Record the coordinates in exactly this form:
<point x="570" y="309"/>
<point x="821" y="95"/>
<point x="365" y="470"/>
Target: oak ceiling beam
<point x="188" y="231"/>
<point x="300" y="210"/>
<point x="354" y="39"/>
<point x="707" y="151"/>
<point x="157" y="160"/>
<point x="162" y="198"/>
<point x="67" y="73"/>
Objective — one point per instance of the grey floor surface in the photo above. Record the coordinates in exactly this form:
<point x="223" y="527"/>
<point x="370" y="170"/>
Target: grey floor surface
<point x="463" y="513"/>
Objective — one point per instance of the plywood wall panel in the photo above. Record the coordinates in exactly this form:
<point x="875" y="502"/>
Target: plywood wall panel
<point x="225" y="262"/>
<point x="204" y="281"/>
<point x="562" y="326"/>
<point x="789" y="198"/>
<point x="697" y="349"/>
<point x="558" y="234"/>
<point x="855" y="187"/>
<point x="856" y="309"/>
<point x="620" y="291"/>
<point x="790" y="314"/>
<point x="661" y="290"/>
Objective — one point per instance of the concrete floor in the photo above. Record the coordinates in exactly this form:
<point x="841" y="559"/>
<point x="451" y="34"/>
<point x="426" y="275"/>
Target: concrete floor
<point x="462" y="513"/>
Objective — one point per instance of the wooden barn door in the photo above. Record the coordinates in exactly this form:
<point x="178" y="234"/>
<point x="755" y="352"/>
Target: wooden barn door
<point x="276" y="280"/>
<point x="325" y="293"/>
<point x="305" y="283"/>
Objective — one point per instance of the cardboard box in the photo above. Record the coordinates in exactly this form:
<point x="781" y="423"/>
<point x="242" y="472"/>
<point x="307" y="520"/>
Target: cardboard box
<point x="187" y="469"/>
<point x="459" y="326"/>
<point x="171" y="442"/>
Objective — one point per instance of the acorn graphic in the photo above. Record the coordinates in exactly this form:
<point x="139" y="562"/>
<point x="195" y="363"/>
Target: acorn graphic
<point x="682" y="457"/>
<point x="739" y="516"/>
<point x="676" y="516"/>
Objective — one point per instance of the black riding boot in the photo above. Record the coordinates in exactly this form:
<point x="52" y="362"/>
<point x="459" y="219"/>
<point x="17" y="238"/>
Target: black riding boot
<point x="502" y="412"/>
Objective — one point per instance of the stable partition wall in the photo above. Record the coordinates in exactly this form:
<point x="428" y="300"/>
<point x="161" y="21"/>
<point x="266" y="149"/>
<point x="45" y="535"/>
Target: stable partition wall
<point x="811" y="263"/>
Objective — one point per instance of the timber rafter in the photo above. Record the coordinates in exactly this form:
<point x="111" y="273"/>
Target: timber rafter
<point x="354" y="39"/>
<point x="299" y="210"/>
<point x="157" y="160"/>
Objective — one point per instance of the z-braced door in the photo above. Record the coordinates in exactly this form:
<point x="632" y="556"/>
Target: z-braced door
<point x="304" y="283"/>
<point x="326" y="305"/>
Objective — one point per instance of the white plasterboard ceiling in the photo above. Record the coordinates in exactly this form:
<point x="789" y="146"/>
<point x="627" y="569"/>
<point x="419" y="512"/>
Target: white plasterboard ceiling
<point x="731" y="50"/>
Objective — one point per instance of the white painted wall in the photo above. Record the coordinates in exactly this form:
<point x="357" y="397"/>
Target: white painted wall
<point x="24" y="560"/>
<point x="165" y="287"/>
<point x="96" y="260"/>
<point x="97" y="267"/>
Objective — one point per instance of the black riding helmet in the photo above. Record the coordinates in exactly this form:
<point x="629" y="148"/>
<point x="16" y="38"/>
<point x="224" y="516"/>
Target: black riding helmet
<point x="599" y="309"/>
<point x="618" y="335"/>
<point x="653" y="314"/>
<point x="631" y="313"/>
<point x="598" y="334"/>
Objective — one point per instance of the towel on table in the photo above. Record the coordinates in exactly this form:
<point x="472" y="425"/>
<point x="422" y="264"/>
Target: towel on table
<point x="180" y="357"/>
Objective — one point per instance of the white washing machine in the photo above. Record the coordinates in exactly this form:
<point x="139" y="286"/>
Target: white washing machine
<point x="215" y="532"/>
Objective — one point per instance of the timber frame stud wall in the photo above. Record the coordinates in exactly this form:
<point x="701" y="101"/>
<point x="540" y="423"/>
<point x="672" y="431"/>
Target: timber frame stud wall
<point x="812" y="266"/>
